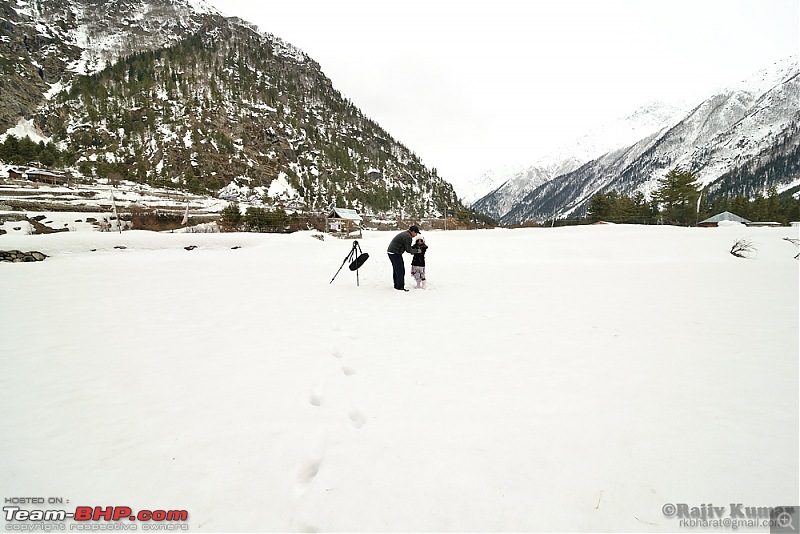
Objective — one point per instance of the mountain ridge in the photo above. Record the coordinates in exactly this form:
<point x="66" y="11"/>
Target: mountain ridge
<point x="648" y="118"/>
<point x="723" y="133"/>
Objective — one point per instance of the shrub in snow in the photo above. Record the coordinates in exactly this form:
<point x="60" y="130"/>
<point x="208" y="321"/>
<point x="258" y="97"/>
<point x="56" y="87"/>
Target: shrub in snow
<point x="742" y="248"/>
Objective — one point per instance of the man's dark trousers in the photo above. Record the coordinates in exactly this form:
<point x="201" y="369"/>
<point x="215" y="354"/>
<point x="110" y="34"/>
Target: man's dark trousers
<point x="398" y="270"/>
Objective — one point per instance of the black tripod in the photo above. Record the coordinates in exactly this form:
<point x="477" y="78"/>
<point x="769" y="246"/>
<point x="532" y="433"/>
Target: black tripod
<point x="357" y="259"/>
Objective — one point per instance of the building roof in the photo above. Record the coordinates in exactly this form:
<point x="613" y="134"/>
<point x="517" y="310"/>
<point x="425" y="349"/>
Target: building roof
<point x="344" y="213"/>
<point x="725" y="216"/>
<point x="40" y="172"/>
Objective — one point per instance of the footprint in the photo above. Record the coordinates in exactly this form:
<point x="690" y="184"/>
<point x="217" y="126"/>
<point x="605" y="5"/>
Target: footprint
<point x="308" y="472"/>
<point x="336" y="353"/>
<point x="349" y="371"/>
<point x="317" y="393"/>
<point x="315" y="397"/>
<point x="357" y="419"/>
<point x="310" y="467"/>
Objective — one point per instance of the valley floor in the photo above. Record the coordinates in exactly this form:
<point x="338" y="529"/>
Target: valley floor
<point x="567" y="379"/>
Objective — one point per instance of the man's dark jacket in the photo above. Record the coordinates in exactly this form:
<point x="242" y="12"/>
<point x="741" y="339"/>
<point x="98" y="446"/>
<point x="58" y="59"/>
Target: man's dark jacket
<point x="401" y="243"/>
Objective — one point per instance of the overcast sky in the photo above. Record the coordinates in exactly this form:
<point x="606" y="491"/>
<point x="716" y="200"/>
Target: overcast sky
<point x="471" y="86"/>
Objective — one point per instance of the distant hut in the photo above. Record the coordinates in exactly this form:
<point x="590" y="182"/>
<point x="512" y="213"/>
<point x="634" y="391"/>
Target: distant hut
<point x="724" y="216"/>
<point x="47" y="177"/>
<point x="343" y="222"/>
<point x="16" y="174"/>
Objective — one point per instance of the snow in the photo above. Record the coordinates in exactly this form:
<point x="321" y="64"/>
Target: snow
<point x="515" y="181"/>
<point x="475" y="189"/>
<point x="96" y="197"/>
<point x="25" y="127"/>
<point x="15" y="222"/>
<point x="55" y="88"/>
<point x="769" y="77"/>
<point x="280" y="187"/>
<point x="565" y="379"/>
<point x="201" y="6"/>
<point x="726" y="130"/>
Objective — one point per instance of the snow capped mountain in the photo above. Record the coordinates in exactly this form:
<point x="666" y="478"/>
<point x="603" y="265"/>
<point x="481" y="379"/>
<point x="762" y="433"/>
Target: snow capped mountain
<point x="733" y="127"/>
<point x="648" y="119"/>
<point x="487" y="182"/>
<point x="769" y="77"/>
<point x="749" y="125"/>
<point x="514" y="186"/>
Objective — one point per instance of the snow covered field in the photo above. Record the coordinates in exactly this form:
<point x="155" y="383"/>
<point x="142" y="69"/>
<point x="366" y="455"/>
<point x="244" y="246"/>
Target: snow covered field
<point x="568" y="379"/>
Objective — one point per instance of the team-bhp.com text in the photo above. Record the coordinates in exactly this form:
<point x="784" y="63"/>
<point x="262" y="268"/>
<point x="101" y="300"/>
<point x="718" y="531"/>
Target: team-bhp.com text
<point x="88" y="518"/>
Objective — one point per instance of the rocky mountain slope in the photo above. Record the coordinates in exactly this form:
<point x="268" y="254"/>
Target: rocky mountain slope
<point x="170" y="93"/>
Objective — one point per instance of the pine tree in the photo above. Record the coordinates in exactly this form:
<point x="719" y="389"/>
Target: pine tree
<point x="232" y="217"/>
<point x="677" y="193"/>
<point x="599" y="208"/>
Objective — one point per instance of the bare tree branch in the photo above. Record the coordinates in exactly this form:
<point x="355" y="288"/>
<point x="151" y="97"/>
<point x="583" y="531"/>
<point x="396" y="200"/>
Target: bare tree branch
<point x="742" y="248"/>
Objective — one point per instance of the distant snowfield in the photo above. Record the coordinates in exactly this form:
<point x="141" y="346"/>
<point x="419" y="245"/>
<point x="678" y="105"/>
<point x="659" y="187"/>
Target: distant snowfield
<point x="568" y="379"/>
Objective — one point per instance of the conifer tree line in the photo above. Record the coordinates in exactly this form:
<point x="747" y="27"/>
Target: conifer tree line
<point x="680" y="200"/>
<point x="256" y="219"/>
<point x="24" y="151"/>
